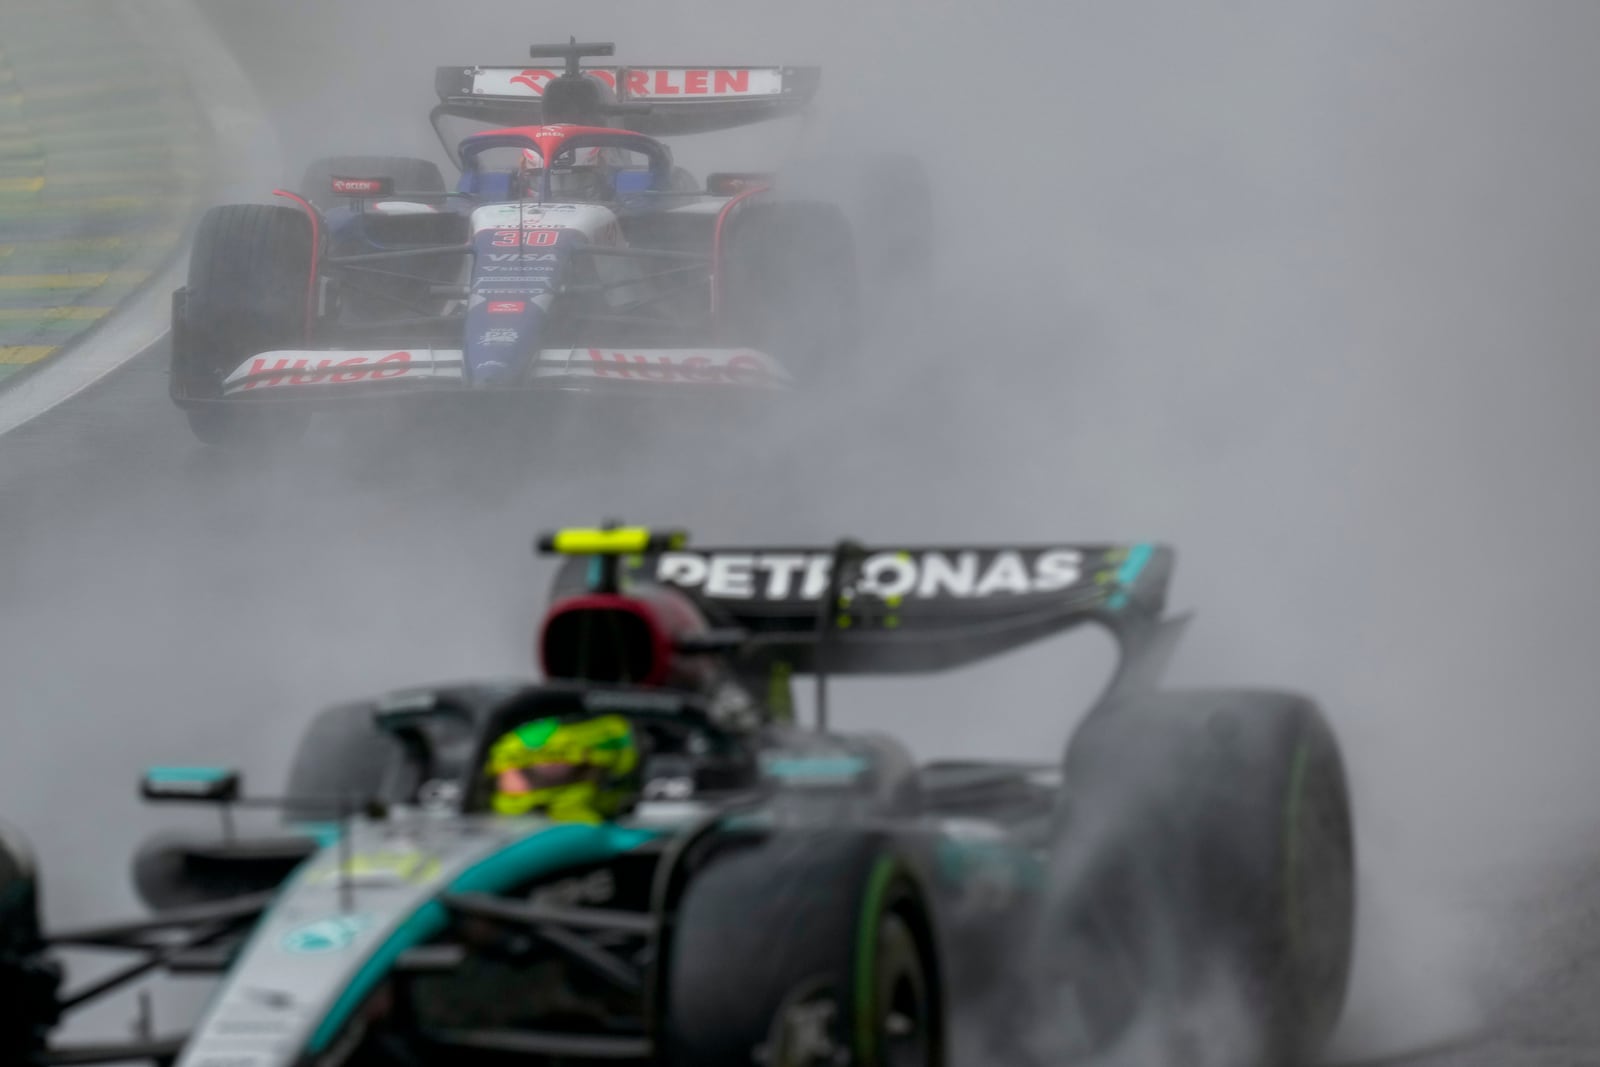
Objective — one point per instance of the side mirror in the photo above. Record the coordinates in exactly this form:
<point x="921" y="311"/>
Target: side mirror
<point x="362" y="187"/>
<point x="203" y="785"/>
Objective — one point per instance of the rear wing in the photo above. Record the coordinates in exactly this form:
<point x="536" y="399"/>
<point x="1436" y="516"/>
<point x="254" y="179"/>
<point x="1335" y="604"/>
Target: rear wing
<point x="661" y="101"/>
<point x="887" y="610"/>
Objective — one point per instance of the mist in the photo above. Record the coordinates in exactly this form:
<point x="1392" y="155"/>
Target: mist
<point x="1301" y="290"/>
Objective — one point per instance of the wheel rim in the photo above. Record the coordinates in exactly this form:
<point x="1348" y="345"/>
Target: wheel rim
<point x="903" y="1026"/>
<point x="1319" y="891"/>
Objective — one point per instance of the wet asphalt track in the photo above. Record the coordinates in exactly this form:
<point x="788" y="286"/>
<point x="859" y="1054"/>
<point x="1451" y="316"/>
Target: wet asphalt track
<point x="165" y="605"/>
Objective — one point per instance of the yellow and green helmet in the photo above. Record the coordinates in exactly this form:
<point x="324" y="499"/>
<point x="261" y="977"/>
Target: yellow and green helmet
<point x="570" y="770"/>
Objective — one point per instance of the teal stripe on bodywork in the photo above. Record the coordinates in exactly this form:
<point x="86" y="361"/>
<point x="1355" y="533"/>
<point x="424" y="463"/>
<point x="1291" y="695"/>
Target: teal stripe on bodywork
<point x="961" y="861"/>
<point x="323" y="833"/>
<point x="1137" y="560"/>
<point x="158" y="775"/>
<point x="550" y="850"/>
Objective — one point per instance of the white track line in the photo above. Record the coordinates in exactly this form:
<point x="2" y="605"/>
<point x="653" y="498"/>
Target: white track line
<point x="244" y="143"/>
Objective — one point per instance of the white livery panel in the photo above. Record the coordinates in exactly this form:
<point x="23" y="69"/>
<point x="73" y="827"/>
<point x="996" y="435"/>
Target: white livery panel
<point x="640" y="83"/>
<point x="669" y="366"/>
<point x="323" y="369"/>
<point x="327" y="370"/>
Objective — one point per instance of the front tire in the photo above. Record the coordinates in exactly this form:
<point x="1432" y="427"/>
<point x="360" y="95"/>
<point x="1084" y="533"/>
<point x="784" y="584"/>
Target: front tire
<point x="28" y="980"/>
<point x="803" y="949"/>
<point x="227" y="426"/>
<point x="249" y="284"/>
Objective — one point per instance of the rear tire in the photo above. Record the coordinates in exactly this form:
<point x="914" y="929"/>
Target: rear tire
<point x="899" y="199"/>
<point x="809" y="946"/>
<point x="249" y="276"/>
<point x="888" y="199"/>
<point x="790" y="287"/>
<point x="1224" y="842"/>
<point x="408" y="176"/>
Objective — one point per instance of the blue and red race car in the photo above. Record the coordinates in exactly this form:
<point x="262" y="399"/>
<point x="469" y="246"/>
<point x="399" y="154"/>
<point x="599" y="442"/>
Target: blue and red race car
<point x="571" y="256"/>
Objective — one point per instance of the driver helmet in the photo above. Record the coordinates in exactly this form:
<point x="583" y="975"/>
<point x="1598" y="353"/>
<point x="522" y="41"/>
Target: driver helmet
<point x="583" y="770"/>
<point x="583" y="175"/>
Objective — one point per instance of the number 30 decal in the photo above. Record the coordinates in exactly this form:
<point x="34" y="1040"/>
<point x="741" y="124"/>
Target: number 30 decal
<point x="533" y="238"/>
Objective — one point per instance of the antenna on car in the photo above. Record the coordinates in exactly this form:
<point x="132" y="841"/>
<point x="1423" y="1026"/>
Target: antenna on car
<point x="573" y="52"/>
<point x="847" y="555"/>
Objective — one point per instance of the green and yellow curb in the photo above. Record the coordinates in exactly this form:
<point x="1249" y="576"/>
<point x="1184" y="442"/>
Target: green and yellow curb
<point x="103" y="152"/>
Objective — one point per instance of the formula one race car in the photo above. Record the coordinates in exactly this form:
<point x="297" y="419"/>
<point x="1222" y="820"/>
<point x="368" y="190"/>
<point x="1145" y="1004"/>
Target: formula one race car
<point x="646" y="860"/>
<point x="571" y="256"/>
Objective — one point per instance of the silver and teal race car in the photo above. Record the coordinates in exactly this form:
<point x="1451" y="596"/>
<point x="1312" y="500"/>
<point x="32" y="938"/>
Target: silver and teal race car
<point x="756" y="892"/>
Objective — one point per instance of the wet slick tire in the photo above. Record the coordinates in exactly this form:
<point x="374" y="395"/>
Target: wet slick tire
<point x="888" y="198"/>
<point x="791" y="288"/>
<point x="229" y="428"/>
<point x="248" y="278"/>
<point x="28" y="981"/>
<point x="1214" y="829"/>
<point x="807" y="950"/>
<point x="408" y="176"/>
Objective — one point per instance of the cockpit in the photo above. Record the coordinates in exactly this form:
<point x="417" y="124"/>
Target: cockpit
<point x="549" y="748"/>
<point x="551" y="164"/>
<point x="587" y="755"/>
